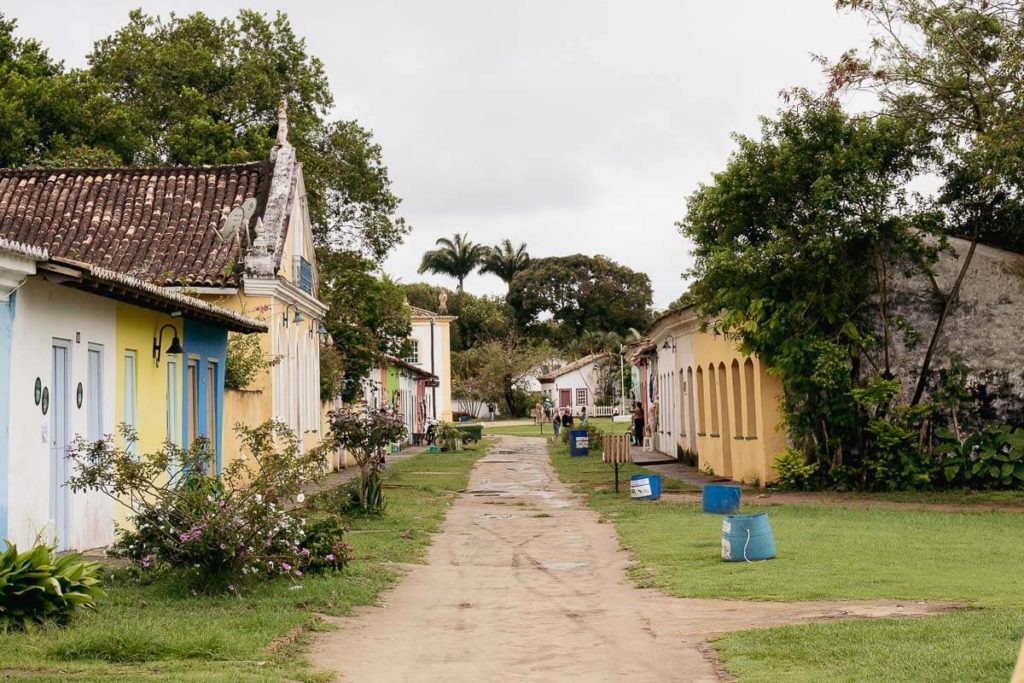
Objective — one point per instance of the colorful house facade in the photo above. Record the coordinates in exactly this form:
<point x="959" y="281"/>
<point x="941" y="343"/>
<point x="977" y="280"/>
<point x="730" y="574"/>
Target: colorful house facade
<point x="700" y="395"/>
<point x="430" y="351"/>
<point x="400" y="387"/>
<point x="83" y="350"/>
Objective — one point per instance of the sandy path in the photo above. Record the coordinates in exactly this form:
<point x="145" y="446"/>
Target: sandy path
<point x="525" y="584"/>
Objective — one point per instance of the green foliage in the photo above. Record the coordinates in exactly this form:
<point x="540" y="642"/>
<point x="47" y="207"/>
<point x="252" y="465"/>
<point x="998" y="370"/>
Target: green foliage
<point x="794" y="472"/>
<point x="505" y="260"/>
<point x="367" y="435"/>
<point x="498" y="370"/>
<point x="894" y="459"/>
<point x="36" y="586"/>
<point x="245" y="360"/>
<point x="456" y="257"/>
<point x="990" y="458"/>
<point x="579" y="293"/>
<point x="449" y="437"/>
<point x="219" y="530"/>
<point x="479" y="319"/>
<point x="367" y="318"/>
<point x="796" y="243"/>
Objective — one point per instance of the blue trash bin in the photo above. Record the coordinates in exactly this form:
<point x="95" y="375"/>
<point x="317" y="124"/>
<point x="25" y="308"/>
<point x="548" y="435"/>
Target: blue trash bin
<point x="645" y="487"/>
<point x="579" y="442"/>
<point x="721" y="499"/>
<point x="747" y="538"/>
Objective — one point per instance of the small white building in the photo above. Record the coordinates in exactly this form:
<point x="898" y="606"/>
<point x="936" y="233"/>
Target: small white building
<point x="575" y="385"/>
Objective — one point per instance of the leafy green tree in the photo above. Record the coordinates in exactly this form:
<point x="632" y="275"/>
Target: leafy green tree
<point x="456" y="257"/>
<point x="563" y="297"/>
<point x="49" y="114"/>
<point x="367" y="319"/>
<point x="505" y="260"/>
<point x="478" y="318"/>
<point x="795" y="244"/>
<point x="498" y="370"/>
<point x="956" y="68"/>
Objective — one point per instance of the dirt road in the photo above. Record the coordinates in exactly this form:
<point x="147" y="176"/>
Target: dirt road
<point x="524" y="583"/>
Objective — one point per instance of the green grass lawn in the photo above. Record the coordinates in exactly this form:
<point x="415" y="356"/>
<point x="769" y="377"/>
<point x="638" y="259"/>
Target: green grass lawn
<point x="153" y="632"/>
<point x="530" y="429"/>
<point x="839" y="552"/>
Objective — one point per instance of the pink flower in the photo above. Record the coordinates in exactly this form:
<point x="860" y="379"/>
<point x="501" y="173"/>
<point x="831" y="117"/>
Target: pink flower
<point x="298" y="573"/>
<point x="286" y="567"/>
<point x="329" y="557"/>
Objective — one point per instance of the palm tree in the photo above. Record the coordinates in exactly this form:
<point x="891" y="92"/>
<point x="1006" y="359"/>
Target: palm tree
<point x="505" y="260"/>
<point x="456" y="257"/>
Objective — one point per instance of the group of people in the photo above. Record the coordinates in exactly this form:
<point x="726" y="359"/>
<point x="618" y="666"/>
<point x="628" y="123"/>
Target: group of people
<point x="563" y="417"/>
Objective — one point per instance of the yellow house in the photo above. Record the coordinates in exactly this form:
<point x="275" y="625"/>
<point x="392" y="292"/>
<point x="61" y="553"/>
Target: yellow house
<point x="430" y="350"/>
<point x="701" y="396"/>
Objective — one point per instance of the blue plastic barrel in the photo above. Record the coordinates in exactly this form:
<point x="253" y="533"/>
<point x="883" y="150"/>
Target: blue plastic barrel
<point x="721" y="499"/>
<point x="579" y="442"/>
<point x="747" y="538"/>
<point x="645" y="487"/>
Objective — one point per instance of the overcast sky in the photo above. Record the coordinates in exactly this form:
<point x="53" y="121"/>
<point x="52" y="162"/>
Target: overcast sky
<point x="575" y="126"/>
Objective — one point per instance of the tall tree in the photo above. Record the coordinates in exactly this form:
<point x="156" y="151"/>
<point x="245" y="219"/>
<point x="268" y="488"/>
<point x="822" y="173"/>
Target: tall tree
<point x="478" y="319"/>
<point x="794" y="244"/>
<point x="569" y="295"/>
<point x="456" y="257"/>
<point x="505" y="260"/>
<point x="957" y="69"/>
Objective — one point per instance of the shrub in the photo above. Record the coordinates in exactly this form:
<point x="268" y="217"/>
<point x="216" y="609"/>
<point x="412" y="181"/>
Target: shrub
<point x="35" y="587"/>
<point x="366" y="435"/>
<point x="449" y="437"/>
<point x="245" y="360"/>
<point x="990" y="458"/>
<point x="794" y="471"/>
<point x="222" y="529"/>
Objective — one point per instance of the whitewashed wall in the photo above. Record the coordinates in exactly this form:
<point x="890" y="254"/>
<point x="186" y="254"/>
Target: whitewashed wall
<point x="586" y="377"/>
<point x="46" y="311"/>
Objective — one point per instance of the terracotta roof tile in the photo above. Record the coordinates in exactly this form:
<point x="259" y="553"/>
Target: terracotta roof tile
<point x="160" y="225"/>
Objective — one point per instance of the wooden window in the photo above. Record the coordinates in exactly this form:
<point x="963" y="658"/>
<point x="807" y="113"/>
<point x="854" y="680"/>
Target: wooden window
<point x="748" y="376"/>
<point x="581" y="397"/>
<point x="737" y="398"/>
<point x="192" y="394"/>
<point x="211" y="409"/>
<point x="713" y="391"/>
<point x="414" y="352"/>
<point x="130" y="386"/>
<point x="701" y="410"/>
<point x="94" y="382"/>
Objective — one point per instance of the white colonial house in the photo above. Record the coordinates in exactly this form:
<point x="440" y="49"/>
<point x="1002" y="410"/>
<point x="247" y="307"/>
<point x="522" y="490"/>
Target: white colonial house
<point x="576" y="384"/>
<point x="430" y="350"/>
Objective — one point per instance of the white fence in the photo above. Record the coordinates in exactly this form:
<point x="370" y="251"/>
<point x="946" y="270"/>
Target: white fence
<point x="601" y="411"/>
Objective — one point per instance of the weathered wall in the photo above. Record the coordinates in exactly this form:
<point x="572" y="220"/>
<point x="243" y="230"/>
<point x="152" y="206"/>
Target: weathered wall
<point x="986" y="328"/>
<point x="245" y="407"/>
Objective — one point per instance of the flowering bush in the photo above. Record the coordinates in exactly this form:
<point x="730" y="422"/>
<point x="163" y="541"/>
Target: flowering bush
<point x="223" y="529"/>
<point x="366" y="434"/>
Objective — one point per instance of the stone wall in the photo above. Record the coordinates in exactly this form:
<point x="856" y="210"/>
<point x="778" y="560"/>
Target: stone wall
<point x="985" y="328"/>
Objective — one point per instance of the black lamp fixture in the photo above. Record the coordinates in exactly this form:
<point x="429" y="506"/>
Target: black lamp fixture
<point x="297" y="318"/>
<point x="174" y="348"/>
<point x="670" y="343"/>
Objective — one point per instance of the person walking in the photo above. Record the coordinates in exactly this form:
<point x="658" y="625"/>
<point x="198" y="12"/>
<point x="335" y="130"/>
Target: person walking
<point x="583" y="416"/>
<point x="490" y="409"/>
<point x="556" y="424"/>
<point x="567" y="419"/>
<point x="638" y="424"/>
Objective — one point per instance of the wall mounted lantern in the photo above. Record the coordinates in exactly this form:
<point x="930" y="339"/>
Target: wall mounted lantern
<point x="670" y="343"/>
<point x="297" y="318"/>
<point x="174" y="348"/>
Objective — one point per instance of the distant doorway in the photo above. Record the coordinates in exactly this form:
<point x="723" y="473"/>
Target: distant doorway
<point x="564" y="398"/>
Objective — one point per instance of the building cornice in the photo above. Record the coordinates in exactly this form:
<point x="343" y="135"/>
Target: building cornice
<point x="279" y="288"/>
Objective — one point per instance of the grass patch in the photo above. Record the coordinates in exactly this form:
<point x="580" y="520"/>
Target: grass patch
<point x="528" y="428"/>
<point x="155" y="633"/>
<point x="838" y="552"/>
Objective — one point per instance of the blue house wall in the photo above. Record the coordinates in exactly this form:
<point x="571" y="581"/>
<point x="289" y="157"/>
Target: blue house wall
<point x="6" y="327"/>
<point x="205" y="343"/>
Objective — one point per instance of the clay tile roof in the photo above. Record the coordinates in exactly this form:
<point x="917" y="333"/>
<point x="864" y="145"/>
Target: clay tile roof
<point x="156" y="224"/>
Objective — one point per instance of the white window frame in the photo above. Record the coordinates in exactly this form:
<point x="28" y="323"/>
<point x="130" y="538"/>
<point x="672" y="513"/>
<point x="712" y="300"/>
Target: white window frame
<point x="131" y="388"/>
<point x="414" y="352"/>
<point x="585" y="394"/>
